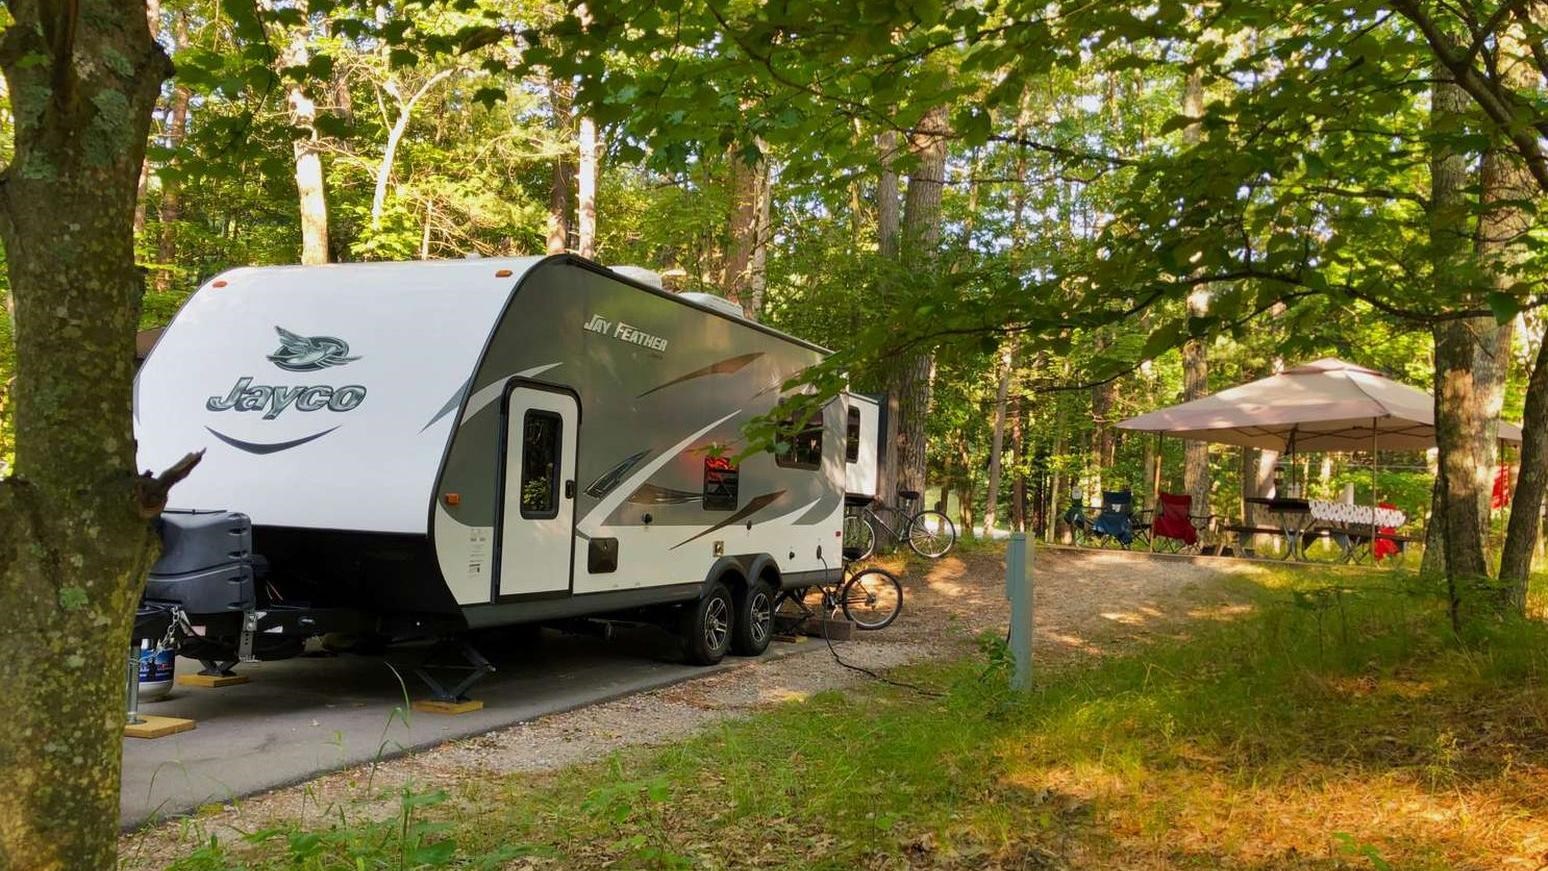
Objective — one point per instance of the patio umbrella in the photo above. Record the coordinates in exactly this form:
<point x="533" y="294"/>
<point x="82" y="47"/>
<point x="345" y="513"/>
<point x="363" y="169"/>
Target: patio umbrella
<point x="1325" y="405"/>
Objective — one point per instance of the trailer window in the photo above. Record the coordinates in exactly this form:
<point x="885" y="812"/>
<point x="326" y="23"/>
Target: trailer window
<point x="805" y="446"/>
<point x="541" y="431"/>
<point x="852" y="437"/>
<point x="720" y="484"/>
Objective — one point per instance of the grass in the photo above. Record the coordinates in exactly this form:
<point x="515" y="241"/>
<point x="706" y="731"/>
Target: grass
<point x="1334" y="727"/>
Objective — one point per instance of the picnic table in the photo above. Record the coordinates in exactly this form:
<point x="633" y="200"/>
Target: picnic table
<point x="1347" y="530"/>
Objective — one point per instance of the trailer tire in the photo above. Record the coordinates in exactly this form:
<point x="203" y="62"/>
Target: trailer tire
<point x="754" y="625"/>
<point x="707" y="626"/>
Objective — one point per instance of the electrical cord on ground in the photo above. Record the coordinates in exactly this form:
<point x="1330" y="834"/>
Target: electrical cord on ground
<point x="924" y="691"/>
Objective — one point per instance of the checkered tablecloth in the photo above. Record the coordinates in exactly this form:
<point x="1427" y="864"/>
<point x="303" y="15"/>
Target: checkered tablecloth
<point x="1344" y="513"/>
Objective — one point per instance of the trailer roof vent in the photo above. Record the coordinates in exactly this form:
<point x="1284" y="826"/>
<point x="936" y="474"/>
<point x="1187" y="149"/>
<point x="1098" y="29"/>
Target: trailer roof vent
<point x="641" y="274"/>
<point x="718" y="303"/>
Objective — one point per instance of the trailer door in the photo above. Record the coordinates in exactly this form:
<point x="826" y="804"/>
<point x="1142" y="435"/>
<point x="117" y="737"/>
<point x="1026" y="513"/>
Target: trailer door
<point x="537" y="530"/>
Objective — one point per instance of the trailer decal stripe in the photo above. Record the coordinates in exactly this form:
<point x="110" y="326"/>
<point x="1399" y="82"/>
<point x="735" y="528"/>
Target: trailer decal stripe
<point x="724" y="367"/>
<point x="491" y="393"/>
<point x="259" y="448"/>
<point x="756" y="504"/>
<point x="451" y="404"/>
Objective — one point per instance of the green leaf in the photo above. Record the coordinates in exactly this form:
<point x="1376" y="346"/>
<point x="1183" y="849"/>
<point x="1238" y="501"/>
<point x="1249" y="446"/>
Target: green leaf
<point x="1504" y="306"/>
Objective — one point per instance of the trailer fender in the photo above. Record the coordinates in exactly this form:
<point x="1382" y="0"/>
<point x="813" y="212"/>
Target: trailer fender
<point x="736" y="571"/>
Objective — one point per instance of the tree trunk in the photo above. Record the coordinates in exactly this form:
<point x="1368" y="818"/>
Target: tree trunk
<point x="921" y="233"/>
<point x="1018" y="507"/>
<point x="1461" y="400"/>
<point x="1057" y="498"/>
<point x="1503" y="224"/>
<point x="758" y="275"/>
<point x="744" y="279"/>
<point x="309" y="169"/>
<point x="887" y="197"/>
<point x="1527" y="506"/>
<point x="74" y="539"/>
<point x="997" y="441"/>
<point x="1104" y="438"/>
<point x="1462" y="435"/>
<point x="171" y="188"/>
<point x="563" y="178"/>
<point x="586" y="201"/>
<point x="153" y="20"/>
<point x="1194" y="352"/>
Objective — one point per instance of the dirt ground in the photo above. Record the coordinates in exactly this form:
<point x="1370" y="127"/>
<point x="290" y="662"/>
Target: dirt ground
<point x="1086" y="603"/>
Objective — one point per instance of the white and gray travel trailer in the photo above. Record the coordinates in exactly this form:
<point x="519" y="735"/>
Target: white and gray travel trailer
<point x="401" y="450"/>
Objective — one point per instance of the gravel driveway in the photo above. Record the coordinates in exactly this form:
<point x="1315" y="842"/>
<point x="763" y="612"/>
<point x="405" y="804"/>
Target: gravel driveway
<point x="1087" y="603"/>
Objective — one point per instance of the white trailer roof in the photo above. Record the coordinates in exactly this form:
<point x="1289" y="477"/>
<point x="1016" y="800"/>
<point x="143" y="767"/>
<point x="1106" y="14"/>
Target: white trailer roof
<point x="323" y="395"/>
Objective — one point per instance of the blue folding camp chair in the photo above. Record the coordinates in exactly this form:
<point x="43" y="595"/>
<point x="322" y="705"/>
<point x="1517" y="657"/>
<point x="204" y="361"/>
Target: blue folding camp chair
<point x="1118" y="523"/>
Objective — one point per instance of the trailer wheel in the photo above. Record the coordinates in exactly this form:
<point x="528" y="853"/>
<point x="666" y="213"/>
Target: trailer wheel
<point x="707" y="624"/>
<point x="754" y="624"/>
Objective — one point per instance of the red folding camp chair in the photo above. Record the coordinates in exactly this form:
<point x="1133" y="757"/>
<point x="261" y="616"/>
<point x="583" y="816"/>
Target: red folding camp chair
<point x="1176" y="528"/>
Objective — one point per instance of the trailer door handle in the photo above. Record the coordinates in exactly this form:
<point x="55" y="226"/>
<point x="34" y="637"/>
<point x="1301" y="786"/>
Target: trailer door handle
<point x="569" y="489"/>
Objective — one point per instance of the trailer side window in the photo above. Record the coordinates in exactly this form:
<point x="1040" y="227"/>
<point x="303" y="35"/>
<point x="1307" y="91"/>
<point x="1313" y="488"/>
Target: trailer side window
<point x="720" y="484"/>
<point x="541" y="431"/>
<point x="805" y="447"/>
<point x="852" y="437"/>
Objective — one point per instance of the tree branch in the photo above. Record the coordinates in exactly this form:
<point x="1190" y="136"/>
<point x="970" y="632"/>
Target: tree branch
<point x="150" y="492"/>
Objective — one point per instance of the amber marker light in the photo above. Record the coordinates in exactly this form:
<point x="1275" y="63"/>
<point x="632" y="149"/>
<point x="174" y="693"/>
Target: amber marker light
<point x="453" y="498"/>
<point x="219" y="282"/>
<point x="502" y="273"/>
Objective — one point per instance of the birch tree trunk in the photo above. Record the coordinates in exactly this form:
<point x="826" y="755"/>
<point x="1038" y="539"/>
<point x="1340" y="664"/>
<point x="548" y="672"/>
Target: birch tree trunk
<point x="74" y="536"/>
<point x="310" y="190"/>
<point x="586" y="191"/>
<point x="395" y="136"/>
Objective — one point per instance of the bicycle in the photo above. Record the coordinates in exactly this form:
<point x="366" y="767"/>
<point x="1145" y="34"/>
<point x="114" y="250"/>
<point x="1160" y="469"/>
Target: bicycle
<point x="929" y="533"/>
<point x="871" y="598"/>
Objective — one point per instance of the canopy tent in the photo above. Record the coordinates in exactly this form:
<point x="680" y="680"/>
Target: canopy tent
<point x="1325" y="405"/>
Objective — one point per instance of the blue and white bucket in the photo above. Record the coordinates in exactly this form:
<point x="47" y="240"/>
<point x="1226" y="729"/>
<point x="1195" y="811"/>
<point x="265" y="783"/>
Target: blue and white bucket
<point x="156" y="672"/>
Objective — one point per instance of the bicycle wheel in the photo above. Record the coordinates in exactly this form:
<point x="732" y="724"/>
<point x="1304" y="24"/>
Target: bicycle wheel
<point x="931" y="534"/>
<point x="872" y="599"/>
<point x="859" y="537"/>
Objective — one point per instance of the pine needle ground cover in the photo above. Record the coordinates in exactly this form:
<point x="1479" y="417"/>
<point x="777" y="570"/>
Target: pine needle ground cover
<point x="1341" y="724"/>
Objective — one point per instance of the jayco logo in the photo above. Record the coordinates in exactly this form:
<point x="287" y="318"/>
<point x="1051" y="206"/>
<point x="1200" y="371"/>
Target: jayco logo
<point x="296" y="353"/>
<point x="624" y="333"/>
<point x="309" y="353"/>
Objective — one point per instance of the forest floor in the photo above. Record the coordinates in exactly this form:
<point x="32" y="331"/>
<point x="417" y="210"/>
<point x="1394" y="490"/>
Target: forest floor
<point x="1189" y="713"/>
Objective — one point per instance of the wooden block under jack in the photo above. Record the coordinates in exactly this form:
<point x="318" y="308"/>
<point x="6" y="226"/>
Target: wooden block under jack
<point x="211" y="680"/>
<point x="791" y="639"/>
<point x="157" y="727"/>
<point x="436" y="706"/>
<point x="833" y="630"/>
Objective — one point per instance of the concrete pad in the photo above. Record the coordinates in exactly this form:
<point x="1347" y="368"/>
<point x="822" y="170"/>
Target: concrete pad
<point x="303" y="717"/>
